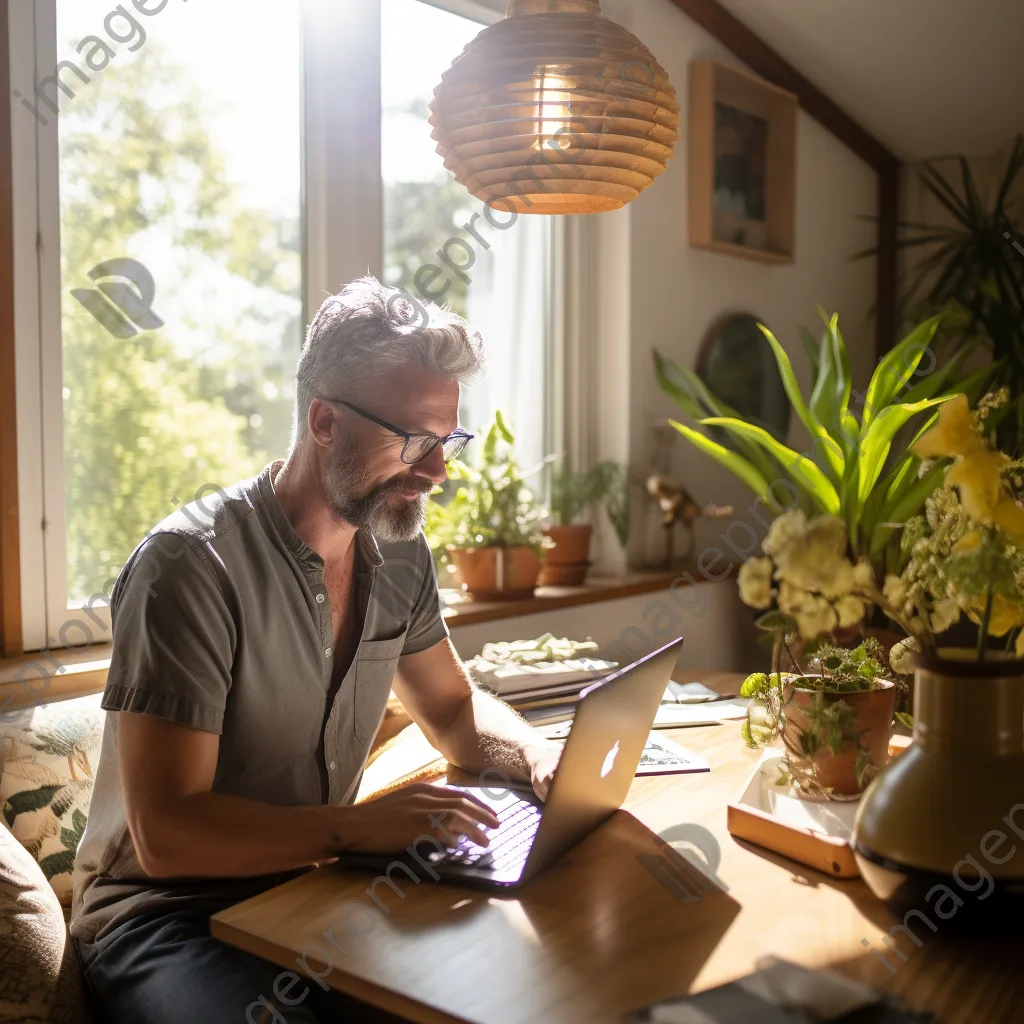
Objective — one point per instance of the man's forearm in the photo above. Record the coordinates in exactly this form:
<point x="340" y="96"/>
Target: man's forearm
<point x="214" y="835"/>
<point x="489" y="734"/>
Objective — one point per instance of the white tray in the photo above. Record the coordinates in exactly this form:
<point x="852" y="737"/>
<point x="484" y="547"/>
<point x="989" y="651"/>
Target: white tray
<point x="815" y="833"/>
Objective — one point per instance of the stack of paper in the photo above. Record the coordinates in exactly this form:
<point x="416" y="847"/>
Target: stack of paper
<point x="676" y="711"/>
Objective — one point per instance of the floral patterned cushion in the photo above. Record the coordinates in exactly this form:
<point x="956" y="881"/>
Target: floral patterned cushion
<point x="39" y="975"/>
<point x="47" y="759"/>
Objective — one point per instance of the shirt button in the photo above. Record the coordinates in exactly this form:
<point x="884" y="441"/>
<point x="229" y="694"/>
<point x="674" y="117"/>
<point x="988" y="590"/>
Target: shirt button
<point x="328" y="652"/>
<point x="333" y="765"/>
<point x="319" y="598"/>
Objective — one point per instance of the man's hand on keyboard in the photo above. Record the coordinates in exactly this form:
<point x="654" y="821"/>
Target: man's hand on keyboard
<point x="395" y="820"/>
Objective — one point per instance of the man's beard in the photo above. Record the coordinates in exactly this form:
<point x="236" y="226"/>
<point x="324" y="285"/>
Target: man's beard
<point x="372" y="508"/>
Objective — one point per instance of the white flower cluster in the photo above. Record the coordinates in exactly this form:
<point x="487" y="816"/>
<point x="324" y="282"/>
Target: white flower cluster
<point x="818" y="584"/>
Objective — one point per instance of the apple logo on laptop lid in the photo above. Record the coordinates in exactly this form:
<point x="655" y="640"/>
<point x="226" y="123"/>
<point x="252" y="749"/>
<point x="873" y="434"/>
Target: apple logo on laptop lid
<point x="609" y="761"/>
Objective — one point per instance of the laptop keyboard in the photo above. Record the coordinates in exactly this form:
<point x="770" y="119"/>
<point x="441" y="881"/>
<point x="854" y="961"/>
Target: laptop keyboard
<point x="510" y="841"/>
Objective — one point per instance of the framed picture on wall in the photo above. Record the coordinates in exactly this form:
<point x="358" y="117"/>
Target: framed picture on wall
<point x="742" y="164"/>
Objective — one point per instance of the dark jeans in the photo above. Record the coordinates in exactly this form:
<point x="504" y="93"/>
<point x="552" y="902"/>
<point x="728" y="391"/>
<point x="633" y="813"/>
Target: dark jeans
<point x="166" y="968"/>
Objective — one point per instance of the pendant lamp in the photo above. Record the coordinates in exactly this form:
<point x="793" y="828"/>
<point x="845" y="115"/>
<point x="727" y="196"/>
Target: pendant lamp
<point x="555" y="110"/>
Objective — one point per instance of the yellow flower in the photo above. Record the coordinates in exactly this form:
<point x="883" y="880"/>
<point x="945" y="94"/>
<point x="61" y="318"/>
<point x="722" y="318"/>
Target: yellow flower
<point x="969" y="542"/>
<point x="953" y="433"/>
<point x="1006" y="615"/>
<point x="1020" y="645"/>
<point x="1009" y="517"/>
<point x="981" y="487"/>
<point x="755" y="582"/>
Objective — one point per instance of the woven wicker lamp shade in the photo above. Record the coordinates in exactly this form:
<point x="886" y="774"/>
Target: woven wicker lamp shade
<point x="555" y="110"/>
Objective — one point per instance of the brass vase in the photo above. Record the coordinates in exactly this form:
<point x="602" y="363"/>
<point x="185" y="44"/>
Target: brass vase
<point x="940" y="833"/>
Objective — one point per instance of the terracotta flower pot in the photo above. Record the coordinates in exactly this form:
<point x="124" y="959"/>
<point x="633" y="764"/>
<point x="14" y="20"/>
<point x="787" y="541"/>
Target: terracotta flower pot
<point x="497" y="574"/>
<point x="941" y="831"/>
<point x="872" y="723"/>
<point x="567" y="563"/>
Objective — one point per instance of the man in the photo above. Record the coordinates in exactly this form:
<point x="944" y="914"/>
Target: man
<point x="256" y="641"/>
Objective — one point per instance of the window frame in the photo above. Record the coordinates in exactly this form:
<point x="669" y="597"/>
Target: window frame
<point x="30" y="142"/>
<point x="343" y="237"/>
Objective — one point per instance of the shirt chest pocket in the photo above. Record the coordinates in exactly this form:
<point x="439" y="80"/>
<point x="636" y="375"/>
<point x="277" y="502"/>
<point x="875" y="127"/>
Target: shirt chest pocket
<point x="376" y="662"/>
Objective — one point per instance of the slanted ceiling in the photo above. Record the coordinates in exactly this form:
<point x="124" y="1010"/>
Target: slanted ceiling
<point x="926" y="77"/>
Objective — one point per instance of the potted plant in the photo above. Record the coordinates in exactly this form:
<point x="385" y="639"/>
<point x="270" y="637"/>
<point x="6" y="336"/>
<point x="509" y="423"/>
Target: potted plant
<point x="937" y="809"/>
<point x="835" y="721"/>
<point x="856" y="468"/>
<point x="572" y="493"/>
<point x="490" y="529"/>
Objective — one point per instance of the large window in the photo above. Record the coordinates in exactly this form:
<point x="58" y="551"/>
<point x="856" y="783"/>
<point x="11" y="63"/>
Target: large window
<point x="196" y="195"/>
<point x="180" y="177"/>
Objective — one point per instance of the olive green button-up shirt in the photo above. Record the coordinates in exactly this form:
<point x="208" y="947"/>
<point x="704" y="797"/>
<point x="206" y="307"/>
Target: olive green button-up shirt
<point x="222" y="622"/>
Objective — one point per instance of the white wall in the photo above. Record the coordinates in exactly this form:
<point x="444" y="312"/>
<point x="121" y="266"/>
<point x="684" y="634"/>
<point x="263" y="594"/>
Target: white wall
<point x="655" y="291"/>
<point x="677" y="292"/>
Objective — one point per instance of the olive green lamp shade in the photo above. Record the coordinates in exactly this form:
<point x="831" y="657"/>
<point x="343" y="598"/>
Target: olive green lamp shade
<point x="555" y="110"/>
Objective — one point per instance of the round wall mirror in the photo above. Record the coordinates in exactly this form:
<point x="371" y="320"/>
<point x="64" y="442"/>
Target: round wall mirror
<point x="737" y="364"/>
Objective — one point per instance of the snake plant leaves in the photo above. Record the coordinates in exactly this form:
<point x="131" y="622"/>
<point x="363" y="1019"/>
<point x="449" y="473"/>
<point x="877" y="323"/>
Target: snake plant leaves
<point x="813" y="350"/>
<point x="901" y="505"/>
<point x="692" y="395"/>
<point x="736" y="464"/>
<point x="814" y="481"/>
<point x="877" y="439"/>
<point x="896" y="367"/>
<point x="859" y="466"/>
<point x="819" y="435"/>
<point x="830" y="399"/>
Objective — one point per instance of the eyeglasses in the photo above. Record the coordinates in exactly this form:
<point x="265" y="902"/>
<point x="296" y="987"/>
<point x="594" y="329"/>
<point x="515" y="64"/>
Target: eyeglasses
<point x="417" y="446"/>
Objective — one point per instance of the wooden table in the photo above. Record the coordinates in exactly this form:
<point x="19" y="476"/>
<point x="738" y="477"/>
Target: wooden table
<point x="618" y="923"/>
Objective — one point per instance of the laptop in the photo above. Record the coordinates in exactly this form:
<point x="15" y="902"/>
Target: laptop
<point x="602" y="751"/>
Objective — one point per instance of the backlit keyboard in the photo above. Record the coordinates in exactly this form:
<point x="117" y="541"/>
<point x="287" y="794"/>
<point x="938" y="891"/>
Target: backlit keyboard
<point x="510" y="841"/>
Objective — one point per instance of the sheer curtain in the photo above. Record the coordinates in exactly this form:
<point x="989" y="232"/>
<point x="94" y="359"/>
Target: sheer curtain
<point x="506" y="288"/>
<point x="509" y="302"/>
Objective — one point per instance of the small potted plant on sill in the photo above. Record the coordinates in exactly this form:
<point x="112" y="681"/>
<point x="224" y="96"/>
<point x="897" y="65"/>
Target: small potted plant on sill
<point x="567" y="560"/>
<point x="960" y="782"/>
<point x="490" y="530"/>
<point x="835" y="721"/>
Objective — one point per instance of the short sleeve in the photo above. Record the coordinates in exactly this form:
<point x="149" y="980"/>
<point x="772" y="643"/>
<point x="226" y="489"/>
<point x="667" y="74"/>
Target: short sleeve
<point x="426" y="624"/>
<point x="174" y="637"/>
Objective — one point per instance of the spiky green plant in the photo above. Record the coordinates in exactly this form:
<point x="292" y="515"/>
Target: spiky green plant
<point x="972" y="264"/>
<point x="857" y="468"/>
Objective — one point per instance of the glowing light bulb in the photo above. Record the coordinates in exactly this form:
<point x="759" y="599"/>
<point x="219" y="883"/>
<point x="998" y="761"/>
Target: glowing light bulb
<point x="553" y="101"/>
